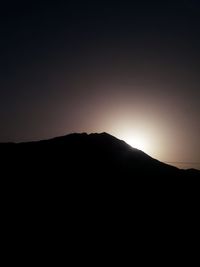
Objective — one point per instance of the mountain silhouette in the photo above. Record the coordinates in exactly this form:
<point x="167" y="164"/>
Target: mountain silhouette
<point x="87" y="155"/>
<point x="90" y="183"/>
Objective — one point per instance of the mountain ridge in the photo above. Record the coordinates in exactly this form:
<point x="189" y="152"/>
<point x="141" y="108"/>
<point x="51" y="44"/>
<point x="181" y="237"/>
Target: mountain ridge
<point x="94" y="153"/>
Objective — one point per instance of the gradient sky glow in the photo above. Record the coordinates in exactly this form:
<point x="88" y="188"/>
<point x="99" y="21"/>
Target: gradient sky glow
<point x="130" y="68"/>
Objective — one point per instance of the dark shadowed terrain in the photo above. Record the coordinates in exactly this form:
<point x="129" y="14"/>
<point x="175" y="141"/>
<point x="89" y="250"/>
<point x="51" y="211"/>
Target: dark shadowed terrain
<point x="91" y="188"/>
<point x="87" y="156"/>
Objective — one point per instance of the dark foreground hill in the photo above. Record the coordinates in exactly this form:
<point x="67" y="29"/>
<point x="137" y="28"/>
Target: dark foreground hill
<point x="81" y="189"/>
<point x="83" y="155"/>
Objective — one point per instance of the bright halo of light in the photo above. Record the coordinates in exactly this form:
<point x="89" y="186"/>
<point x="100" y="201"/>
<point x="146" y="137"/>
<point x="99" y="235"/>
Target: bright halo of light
<point x="137" y="141"/>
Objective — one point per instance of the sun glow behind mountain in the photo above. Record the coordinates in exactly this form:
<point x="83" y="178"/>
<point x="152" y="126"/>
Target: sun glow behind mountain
<point x="137" y="141"/>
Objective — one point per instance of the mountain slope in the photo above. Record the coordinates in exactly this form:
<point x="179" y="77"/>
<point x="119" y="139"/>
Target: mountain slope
<point x="90" y="155"/>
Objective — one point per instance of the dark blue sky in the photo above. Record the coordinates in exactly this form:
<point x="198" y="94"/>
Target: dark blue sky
<point x="69" y="66"/>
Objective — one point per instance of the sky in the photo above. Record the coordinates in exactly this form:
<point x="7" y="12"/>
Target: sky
<point x="129" y="68"/>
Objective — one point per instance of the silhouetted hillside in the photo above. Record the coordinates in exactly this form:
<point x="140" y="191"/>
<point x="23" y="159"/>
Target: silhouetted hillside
<point x="86" y="155"/>
<point x="80" y="184"/>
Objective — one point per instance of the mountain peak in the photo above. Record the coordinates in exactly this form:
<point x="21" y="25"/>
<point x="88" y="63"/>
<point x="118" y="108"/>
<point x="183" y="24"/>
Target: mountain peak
<point x="91" y="153"/>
